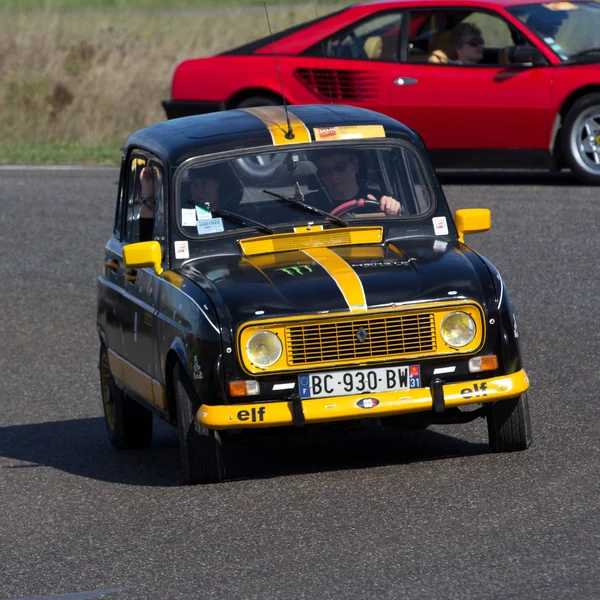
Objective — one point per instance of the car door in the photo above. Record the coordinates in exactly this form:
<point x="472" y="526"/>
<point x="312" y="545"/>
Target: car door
<point x="140" y="289"/>
<point x="352" y="66"/>
<point x="489" y="105"/>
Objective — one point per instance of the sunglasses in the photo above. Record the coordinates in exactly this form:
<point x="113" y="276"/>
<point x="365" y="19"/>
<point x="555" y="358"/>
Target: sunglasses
<point x="339" y="168"/>
<point x="475" y="42"/>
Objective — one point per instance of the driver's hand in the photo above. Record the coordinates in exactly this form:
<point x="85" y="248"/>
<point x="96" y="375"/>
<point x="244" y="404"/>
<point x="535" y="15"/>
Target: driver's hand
<point x="387" y="204"/>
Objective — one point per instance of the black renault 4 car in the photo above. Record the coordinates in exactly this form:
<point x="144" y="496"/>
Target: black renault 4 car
<point x="274" y="269"/>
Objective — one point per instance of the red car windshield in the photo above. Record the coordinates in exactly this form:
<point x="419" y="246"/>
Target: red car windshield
<point x="570" y="29"/>
<point x="344" y="183"/>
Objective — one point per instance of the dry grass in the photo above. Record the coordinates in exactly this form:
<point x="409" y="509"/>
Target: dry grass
<point x="95" y="79"/>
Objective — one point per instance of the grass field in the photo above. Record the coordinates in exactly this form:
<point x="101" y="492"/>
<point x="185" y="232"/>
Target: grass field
<point x="75" y="85"/>
<point x="14" y="6"/>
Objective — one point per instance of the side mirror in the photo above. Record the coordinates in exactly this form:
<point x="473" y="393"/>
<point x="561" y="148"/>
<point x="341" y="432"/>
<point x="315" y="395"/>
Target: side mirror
<point x="143" y="254"/>
<point x="472" y="220"/>
<point x="523" y="54"/>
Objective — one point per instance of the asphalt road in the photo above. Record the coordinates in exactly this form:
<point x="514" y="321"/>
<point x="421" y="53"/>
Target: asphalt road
<point x="361" y="516"/>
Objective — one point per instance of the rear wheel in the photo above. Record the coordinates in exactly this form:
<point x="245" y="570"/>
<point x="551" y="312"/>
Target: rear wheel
<point x="129" y="424"/>
<point x="580" y="139"/>
<point x="509" y="428"/>
<point x="202" y="459"/>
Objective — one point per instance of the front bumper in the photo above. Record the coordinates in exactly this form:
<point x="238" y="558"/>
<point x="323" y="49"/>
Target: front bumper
<point x="339" y="408"/>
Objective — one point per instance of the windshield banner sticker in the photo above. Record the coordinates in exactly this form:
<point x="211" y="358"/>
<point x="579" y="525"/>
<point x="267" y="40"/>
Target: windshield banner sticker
<point x="188" y="217"/>
<point x="348" y="132"/>
<point x="210" y="226"/>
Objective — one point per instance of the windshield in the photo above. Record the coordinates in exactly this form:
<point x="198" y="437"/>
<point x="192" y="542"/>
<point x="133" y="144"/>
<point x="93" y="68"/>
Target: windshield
<point x="569" y="28"/>
<point x="335" y="184"/>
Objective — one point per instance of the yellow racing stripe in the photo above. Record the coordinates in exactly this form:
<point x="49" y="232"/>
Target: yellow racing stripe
<point x="274" y="118"/>
<point x="343" y="274"/>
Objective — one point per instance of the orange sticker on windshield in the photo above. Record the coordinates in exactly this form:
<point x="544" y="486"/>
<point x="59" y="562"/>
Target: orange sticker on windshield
<point x="560" y="6"/>
<point x="348" y="132"/>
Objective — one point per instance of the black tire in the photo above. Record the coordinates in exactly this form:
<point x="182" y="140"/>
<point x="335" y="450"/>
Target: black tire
<point x="583" y="167"/>
<point x="258" y="101"/>
<point x="202" y="459"/>
<point x="129" y="424"/>
<point x="509" y="428"/>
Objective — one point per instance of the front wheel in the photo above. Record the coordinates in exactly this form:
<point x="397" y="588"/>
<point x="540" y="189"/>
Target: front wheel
<point x="580" y="139"/>
<point x="129" y="424"/>
<point x="509" y="428"/>
<point x="202" y="459"/>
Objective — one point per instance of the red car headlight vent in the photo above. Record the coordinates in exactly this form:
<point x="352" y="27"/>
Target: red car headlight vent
<point x="331" y="84"/>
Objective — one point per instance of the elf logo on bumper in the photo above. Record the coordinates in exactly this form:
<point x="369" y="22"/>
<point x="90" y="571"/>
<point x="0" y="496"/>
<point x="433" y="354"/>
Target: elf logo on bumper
<point x="367" y="403"/>
<point x="254" y="415"/>
<point x="477" y="391"/>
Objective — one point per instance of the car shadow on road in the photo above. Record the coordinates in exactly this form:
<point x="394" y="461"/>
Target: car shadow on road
<point x="491" y="177"/>
<point x="80" y="447"/>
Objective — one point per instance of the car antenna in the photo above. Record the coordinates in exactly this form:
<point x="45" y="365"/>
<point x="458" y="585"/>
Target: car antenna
<point x="325" y="61"/>
<point x="289" y="134"/>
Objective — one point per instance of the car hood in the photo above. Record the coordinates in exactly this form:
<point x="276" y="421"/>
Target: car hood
<point x="351" y="278"/>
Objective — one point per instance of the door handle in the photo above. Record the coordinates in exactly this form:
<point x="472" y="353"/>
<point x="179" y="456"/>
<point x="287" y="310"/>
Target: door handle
<point x="131" y="275"/>
<point x="112" y="264"/>
<point x="405" y="81"/>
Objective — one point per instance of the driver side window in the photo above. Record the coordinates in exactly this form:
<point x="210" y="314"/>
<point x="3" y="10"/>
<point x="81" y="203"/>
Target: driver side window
<point x="376" y="38"/>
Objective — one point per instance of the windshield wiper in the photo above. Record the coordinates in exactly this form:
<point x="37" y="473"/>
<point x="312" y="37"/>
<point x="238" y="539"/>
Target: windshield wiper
<point x="235" y="218"/>
<point x="308" y="207"/>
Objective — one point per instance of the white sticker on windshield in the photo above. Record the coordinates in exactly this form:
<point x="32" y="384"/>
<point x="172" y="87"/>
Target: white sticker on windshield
<point x="203" y="213"/>
<point x="209" y="226"/>
<point x="440" y="226"/>
<point x="188" y="217"/>
<point x="182" y="250"/>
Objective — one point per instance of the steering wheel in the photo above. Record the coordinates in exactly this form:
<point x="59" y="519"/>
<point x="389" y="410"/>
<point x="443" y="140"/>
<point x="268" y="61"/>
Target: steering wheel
<point x="342" y="209"/>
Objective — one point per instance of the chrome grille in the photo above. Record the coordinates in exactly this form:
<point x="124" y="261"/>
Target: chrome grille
<point x="339" y="341"/>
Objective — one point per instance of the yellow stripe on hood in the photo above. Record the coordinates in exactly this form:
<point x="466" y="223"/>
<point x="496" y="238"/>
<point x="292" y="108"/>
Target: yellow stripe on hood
<point x="343" y="274"/>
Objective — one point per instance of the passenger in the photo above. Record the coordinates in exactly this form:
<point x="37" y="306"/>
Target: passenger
<point x="467" y="44"/>
<point x="338" y="171"/>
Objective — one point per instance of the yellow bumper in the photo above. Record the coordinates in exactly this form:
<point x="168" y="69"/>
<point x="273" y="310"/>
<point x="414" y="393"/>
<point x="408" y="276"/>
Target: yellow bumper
<point x="338" y="408"/>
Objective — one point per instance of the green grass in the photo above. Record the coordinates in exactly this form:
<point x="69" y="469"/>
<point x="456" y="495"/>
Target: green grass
<point x="65" y="153"/>
<point x="16" y="6"/>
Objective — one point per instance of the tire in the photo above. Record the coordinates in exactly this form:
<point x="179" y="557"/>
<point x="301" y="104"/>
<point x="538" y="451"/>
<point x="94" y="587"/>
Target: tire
<point x="509" y="428"/>
<point x="580" y="139"/>
<point x="258" y="101"/>
<point x="202" y="459"/>
<point x="129" y="424"/>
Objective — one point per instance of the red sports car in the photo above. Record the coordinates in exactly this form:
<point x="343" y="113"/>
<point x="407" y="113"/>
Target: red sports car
<point x="487" y="83"/>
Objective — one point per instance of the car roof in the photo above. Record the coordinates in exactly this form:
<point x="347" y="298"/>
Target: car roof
<point x="179" y="139"/>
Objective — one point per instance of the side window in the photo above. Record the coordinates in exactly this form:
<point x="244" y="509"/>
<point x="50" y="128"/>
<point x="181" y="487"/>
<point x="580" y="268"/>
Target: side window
<point x="376" y="38"/>
<point x="119" y="208"/>
<point x="160" y="212"/>
<point x="461" y="37"/>
<point x="133" y="199"/>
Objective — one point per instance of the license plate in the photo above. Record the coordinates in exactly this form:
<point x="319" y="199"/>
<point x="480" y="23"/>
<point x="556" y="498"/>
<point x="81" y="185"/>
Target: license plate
<point x="359" y="381"/>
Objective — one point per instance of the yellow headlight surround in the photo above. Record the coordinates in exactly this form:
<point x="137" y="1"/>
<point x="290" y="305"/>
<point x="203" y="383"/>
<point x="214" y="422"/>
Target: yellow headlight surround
<point x="264" y="349"/>
<point x="458" y="329"/>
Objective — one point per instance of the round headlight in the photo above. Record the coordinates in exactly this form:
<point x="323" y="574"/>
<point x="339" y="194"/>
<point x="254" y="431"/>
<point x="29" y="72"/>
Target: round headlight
<point x="264" y="349"/>
<point x="458" y="329"/>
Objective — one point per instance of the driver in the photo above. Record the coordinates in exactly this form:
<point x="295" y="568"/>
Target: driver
<point x="338" y="169"/>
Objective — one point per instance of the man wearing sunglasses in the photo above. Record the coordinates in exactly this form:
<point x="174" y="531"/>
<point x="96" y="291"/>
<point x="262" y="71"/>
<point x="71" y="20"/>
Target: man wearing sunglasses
<point x="338" y="171"/>
<point x="467" y="43"/>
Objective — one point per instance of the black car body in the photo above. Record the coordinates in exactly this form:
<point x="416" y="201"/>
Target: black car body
<point x="258" y="312"/>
